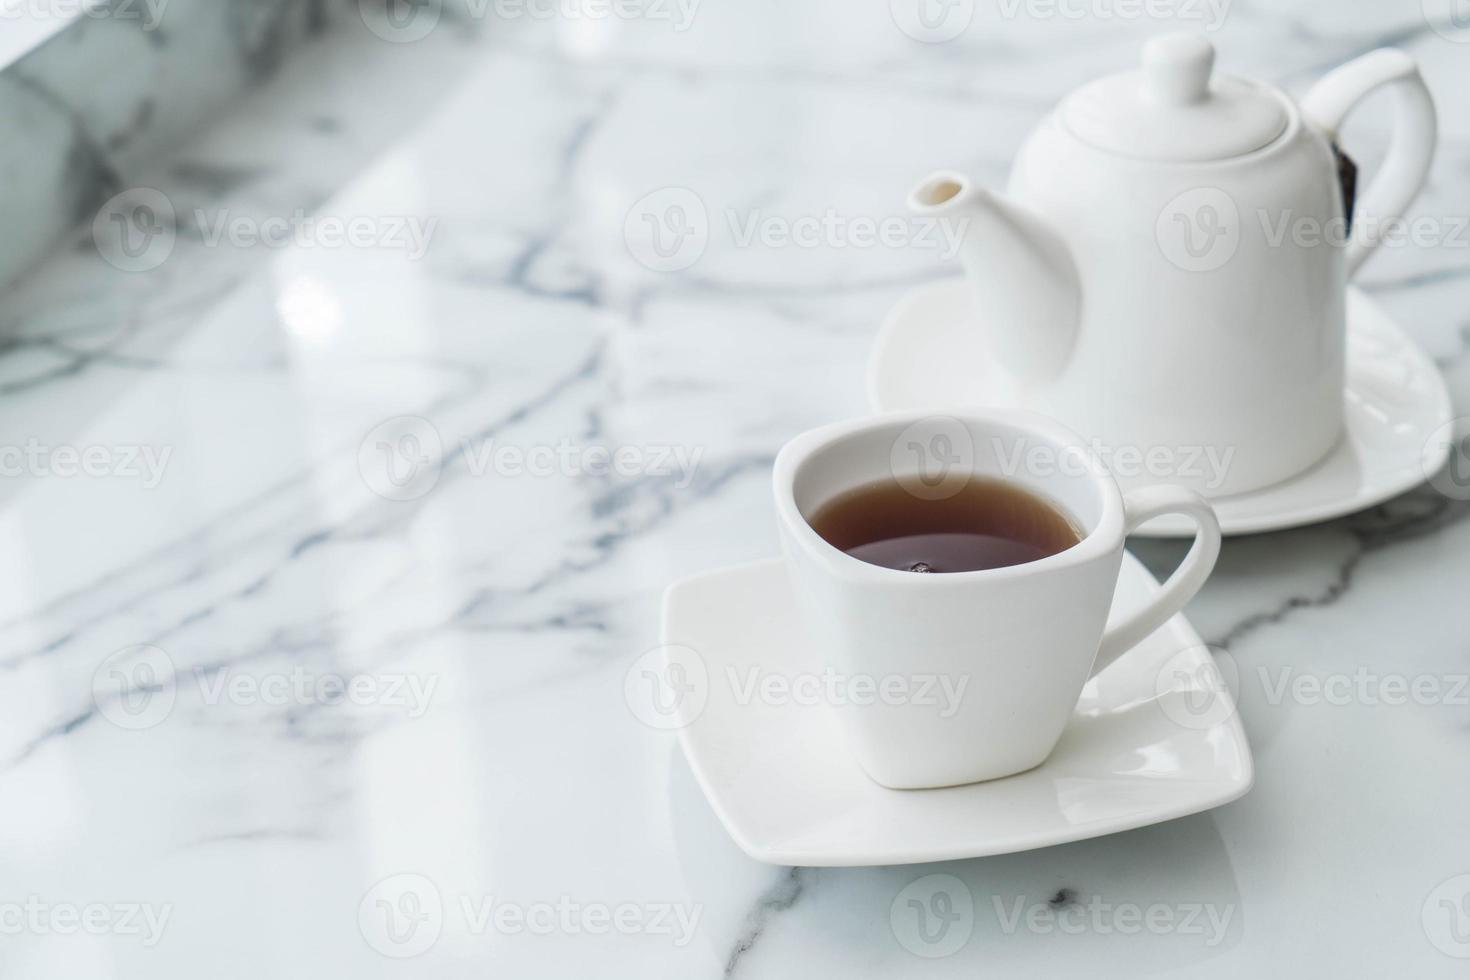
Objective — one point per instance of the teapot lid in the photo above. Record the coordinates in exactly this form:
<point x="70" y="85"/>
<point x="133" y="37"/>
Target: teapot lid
<point x="1171" y="109"/>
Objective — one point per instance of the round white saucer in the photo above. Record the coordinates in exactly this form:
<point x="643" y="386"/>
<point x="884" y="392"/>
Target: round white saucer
<point x="929" y="355"/>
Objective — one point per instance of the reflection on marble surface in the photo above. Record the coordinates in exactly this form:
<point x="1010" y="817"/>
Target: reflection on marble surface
<point x="181" y="739"/>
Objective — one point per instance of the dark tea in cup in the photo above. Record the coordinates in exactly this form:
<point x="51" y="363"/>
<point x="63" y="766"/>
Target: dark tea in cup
<point x="988" y="523"/>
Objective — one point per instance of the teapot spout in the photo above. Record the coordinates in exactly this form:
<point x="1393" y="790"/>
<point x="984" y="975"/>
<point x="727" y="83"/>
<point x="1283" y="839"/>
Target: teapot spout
<point x="1020" y="270"/>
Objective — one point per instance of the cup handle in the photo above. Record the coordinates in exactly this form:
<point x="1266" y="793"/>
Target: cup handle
<point x="1412" y="145"/>
<point x="1144" y="505"/>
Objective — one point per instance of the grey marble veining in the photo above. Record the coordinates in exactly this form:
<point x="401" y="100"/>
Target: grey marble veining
<point x="273" y="541"/>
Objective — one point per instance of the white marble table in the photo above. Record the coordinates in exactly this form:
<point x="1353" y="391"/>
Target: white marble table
<point x="378" y="687"/>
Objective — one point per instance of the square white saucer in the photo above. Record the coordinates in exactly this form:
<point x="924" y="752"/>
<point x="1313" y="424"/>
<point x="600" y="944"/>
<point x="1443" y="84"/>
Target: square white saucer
<point x="1154" y="737"/>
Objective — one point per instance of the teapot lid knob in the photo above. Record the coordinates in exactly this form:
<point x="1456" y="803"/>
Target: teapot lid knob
<point x="1176" y="68"/>
<point x="1175" y="108"/>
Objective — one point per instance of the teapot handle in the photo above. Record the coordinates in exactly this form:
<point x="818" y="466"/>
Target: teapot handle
<point x="1412" y="146"/>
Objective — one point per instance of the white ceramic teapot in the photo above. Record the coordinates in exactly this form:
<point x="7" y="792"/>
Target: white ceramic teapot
<point x="1167" y="272"/>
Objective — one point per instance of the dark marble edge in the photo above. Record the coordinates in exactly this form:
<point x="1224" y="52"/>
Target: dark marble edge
<point x="24" y="40"/>
<point x="113" y="130"/>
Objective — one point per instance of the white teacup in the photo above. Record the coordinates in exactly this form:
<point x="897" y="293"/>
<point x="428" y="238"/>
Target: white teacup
<point x="1022" y="640"/>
